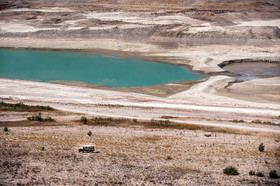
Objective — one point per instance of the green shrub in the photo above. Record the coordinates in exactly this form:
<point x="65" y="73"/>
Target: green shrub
<point x="231" y="171"/>
<point x="273" y="174"/>
<point x="49" y="108"/>
<point x="84" y="120"/>
<point x="39" y="117"/>
<point x="260" y="174"/>
<point x="261" y="147"/>
<point x="251" y="173"/>
<point x="169" y="158"/>
<point x="49" y="119"/>
<point x="135" y="120"/>
<point x="5" y="129"/>
<point x="89" y="133"/>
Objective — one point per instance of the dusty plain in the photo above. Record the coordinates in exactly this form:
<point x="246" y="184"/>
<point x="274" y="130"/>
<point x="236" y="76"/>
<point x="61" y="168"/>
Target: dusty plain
<point x="236" y="116"/>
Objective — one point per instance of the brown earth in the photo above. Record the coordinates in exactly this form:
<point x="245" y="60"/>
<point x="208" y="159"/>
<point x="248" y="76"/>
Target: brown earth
<point x="133" y="154"/>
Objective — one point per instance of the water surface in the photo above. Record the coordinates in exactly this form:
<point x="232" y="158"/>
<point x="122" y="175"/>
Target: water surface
<point x="252" y="70"/>
<point x="50" y="66"/>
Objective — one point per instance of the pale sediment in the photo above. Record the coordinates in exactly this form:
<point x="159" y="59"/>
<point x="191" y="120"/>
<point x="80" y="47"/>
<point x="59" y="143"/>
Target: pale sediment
<point x="195" y="34"/>
<point x="193" y="37"/>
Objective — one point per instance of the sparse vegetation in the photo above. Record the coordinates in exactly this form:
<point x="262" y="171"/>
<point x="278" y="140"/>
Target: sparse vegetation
<point x="49" y="119"/>
<point x="263" y="122"/>
<point x="133" y="148"/>
<point x="153" y="124"/>
<point x="231" y="171"/>
<point x="84" y="120"/>
<point x="163" y="124"/>
<point x="39" y="118"/>
<point x="260" y="174"/>
<point x="6" y="129"/>
<point x="20" y="107"/>
<point x="135" y="120"/>
<point x="251" y="173"/>
<point x="261" y="147"/>
<point x="273" y="174"/>
<point x="237" y="121"/>
<point x="257" y="121"/>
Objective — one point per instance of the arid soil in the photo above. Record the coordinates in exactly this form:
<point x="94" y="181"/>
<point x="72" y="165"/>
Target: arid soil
<point x="197" y="34"/>
<point x="133" y="154"/>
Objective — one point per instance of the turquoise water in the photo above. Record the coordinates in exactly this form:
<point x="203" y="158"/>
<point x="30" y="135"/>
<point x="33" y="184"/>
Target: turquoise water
<point x="49" y="66"/>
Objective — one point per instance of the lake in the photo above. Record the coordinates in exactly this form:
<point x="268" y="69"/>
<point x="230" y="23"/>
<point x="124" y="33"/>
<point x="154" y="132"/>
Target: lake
<point x="49" y="66"/>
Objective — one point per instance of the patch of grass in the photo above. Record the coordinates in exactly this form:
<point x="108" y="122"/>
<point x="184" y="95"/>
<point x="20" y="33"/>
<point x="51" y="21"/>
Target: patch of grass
<point x="6" y="129"/>
<point x="261" y="147"/>
<point x="185" y="170"/>
<point x="20" y="107"/>
<point x="273" y="174"/>
<point x="231" y="171"/>
<point x="260" y="174"/>
<point x="39" y="118"/>
<point x="27" y="123"/>
<point x="237" y="121"/>
<point x="257" y="121"/>
<point x="263" y="122"/>
<point x="108" y="121"/>
<point x="161" y="124"/>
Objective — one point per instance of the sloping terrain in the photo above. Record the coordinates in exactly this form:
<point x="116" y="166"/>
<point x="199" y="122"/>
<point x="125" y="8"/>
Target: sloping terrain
<point x="197" y="34"/>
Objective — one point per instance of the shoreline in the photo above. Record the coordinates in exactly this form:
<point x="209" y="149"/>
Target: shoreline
<point x="181" y="133"/>
<point x="133" y="52"/>
<point x="163" y="90"/>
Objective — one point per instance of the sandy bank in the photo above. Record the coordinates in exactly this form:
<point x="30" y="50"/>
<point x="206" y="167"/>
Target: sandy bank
<point x="132" y="105"/>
